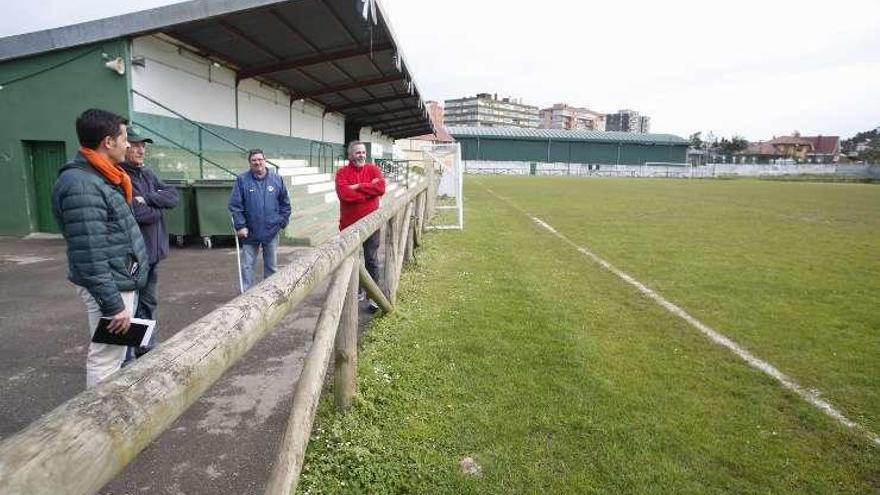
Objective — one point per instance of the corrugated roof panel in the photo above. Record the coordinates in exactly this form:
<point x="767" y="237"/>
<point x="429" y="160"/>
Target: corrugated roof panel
<point x="564" y="135"/>
<point x="380" y="91"/>
<point x="362" y="67"/>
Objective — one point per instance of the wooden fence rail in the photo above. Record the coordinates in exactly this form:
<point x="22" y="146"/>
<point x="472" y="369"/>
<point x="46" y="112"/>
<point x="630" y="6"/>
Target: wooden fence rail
<point x="82" y="444"/>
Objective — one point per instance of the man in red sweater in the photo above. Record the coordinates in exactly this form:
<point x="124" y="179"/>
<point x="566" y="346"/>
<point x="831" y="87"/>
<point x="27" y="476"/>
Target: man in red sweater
<point x="359" y="186"/>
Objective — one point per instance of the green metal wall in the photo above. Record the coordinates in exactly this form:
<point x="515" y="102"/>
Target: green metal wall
<point x="41" y="97"/>
<point x="170" y="161"/>
<point x="522" y="150"/>
<point x="40" y="100"/>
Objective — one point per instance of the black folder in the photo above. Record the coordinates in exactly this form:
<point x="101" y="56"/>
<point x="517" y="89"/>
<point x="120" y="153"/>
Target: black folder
<point x="138" y="334"/>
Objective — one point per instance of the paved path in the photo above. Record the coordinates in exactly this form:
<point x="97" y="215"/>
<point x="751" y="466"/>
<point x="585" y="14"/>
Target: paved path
<point x="225" y="443"/>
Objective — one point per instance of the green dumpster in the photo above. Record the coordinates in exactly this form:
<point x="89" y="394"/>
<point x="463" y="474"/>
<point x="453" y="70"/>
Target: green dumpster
<point x="212" y="208"/>
<point x="181" y="221"/>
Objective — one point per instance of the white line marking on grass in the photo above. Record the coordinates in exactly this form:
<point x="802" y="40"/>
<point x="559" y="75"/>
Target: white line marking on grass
<point x="811" y="396"/>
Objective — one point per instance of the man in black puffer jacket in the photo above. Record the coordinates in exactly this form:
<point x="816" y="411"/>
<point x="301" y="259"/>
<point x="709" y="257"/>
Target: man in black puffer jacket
<point x="106" y="256"/>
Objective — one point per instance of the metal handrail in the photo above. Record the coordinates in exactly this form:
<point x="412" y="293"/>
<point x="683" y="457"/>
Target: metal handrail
<point x="324" y="154"/>
<point x="396" y="169"/>
<point x="184" y="148"/>
<point x="200" y="126"/>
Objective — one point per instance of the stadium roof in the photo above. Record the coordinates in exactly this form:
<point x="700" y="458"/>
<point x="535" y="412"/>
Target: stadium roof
<point x="563" y="135"/>
<point x="341" y="54"/>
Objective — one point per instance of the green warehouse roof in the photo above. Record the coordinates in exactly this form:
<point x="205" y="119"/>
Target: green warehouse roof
<point x="564" y="135"/>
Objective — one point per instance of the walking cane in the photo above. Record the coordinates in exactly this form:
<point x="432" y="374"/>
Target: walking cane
<point x="237" y="256"/>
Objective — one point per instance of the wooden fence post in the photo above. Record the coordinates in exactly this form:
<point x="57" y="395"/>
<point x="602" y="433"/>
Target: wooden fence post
<point x="390" y="259"/>
<point x="416" y="221"/>
<point x="424" y="214"/>
<point x="410" y="243"/>
<point x="402" y="227"/>
<point x="420" y="219"/>
<point x="345" y="376"/>
<point x="413" y="229"/>
<point x="399" y="245"/>
<point x="288" y="463"/>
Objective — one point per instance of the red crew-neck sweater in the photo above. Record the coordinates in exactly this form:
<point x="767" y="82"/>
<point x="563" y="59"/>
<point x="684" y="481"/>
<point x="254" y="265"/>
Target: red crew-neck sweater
<point x="355" y="204"/>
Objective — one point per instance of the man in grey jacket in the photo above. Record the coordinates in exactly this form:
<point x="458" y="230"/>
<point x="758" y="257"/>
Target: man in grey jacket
<point x="106" y="257"/>
<point x="151" y="197"/>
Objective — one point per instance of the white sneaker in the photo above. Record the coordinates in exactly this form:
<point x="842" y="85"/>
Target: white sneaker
<point x="373" y="306"/>
<point x="362" y="295"/>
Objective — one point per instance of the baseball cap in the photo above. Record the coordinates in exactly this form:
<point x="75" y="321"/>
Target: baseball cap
<point x="135" y="137"/>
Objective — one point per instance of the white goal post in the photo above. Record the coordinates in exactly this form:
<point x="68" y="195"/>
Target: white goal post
<point x="446" y="158"/>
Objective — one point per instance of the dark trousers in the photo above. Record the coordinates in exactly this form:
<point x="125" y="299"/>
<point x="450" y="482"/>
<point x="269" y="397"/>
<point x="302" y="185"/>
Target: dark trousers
<point x="371" y="254"/>
<point x="148" y="299"/>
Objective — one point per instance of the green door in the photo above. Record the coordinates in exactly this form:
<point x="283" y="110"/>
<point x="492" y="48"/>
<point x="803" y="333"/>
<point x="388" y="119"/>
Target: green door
<point x="46" y="158"/>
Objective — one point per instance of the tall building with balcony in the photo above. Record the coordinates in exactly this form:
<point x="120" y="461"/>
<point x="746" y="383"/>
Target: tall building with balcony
<point x="562" y="116"/>
<point x="628" y="121"/>
<point x="486" y="110"/>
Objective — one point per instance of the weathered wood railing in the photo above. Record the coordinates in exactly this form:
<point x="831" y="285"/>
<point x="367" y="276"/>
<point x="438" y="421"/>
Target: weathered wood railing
<point x="81" y="445"/>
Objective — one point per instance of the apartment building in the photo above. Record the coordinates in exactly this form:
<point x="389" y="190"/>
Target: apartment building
<point x="487" y="110"/>
<point x="628" y="121"/>
<point x="562" y="116"/>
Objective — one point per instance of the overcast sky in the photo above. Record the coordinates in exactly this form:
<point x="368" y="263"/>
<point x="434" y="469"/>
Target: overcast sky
<point x="753" y="68"/>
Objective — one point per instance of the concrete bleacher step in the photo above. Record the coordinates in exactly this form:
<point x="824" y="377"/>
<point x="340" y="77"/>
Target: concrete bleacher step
<point x="289" y="163"/>
<point x="296" y="171"/>
<point x="325" y="212"/>
<point x="298" y="180"/>
<point x="312" y="235"/>
<point x="320" y="187"/>
<point x="300" y="202"/>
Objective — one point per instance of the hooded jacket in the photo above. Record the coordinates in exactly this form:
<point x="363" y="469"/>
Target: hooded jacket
<point x="105" y="250"/>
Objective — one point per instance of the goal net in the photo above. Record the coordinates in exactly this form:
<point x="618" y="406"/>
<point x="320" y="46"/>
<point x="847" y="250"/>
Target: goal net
<point x="448" y="168"/>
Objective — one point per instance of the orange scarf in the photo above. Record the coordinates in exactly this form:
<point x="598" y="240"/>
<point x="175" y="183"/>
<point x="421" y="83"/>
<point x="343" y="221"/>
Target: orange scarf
<point x="111" y="171"/>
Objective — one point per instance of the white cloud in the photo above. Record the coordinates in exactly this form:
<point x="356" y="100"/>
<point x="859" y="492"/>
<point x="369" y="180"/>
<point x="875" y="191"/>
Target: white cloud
<point x="750" y="68"/>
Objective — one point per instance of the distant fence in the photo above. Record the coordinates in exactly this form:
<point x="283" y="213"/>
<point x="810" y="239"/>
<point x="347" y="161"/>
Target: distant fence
<point x="862" y="171"/>
<point x="674" y="170"/>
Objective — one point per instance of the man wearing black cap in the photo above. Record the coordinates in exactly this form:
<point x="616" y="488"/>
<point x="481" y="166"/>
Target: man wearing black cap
<point x="151" y="196"/>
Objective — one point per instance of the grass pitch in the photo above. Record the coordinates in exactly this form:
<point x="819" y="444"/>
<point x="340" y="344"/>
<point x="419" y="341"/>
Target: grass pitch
<point x="510" y="347"/>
